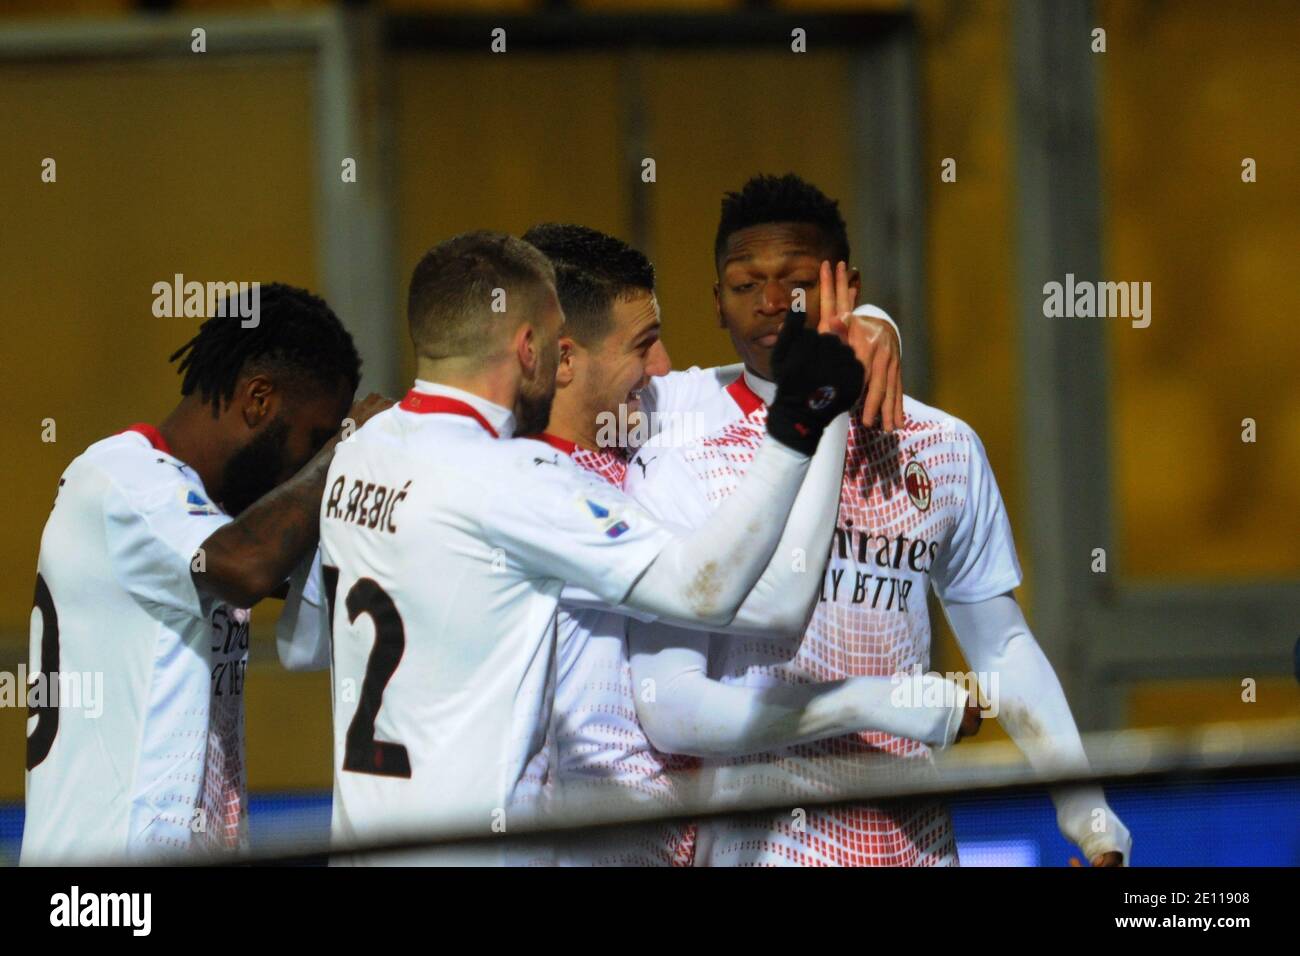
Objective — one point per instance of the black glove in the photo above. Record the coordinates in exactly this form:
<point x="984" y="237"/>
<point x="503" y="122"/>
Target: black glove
<point x="817" y="377"/>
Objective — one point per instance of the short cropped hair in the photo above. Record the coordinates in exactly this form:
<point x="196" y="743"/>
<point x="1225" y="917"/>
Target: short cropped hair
<point x="593" y="270"/>
<point x="770" y="199"/>
<point x="463" y="288"/>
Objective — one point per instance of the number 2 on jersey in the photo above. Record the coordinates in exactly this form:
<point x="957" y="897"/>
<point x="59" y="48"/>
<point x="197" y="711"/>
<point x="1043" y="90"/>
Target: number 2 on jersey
<point x="362" y="752"/>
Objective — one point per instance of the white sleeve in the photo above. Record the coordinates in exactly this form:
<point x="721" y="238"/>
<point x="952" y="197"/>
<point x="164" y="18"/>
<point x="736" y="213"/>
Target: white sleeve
<point x="575" y="598"/>
<point x="681" y="391"/>
<point x="701" y="578"/>
<point x="784" y="597"/>
<point x="563" y="522"/>
<point x="152" y="530"/>
<point x="1026" y="697"/>
<point x="302" y="636"/>
<point x="979" y="559"/>
<point x="567" y="524"/>
<point x="689" y="713"/>
<point x="575" y="527"/>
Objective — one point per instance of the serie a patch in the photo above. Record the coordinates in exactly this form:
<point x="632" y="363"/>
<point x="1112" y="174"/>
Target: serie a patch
<point x="196" y="504"/>
<point x="612" y="524"/>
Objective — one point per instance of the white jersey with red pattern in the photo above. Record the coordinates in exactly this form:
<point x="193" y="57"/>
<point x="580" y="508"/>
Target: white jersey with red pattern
<point x="917" y="507"/>
<point x="445" y="549"/>
<point x="135" y="749"/>
<point x="596" y="750"/>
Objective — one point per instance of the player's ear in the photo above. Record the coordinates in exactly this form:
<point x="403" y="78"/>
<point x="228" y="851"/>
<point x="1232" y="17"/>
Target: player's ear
<point x="259" y="397"/>
<point x="855" y="280"/>
<point x="568" y="354"/>
<point x="717" y="306"/>
<point x="526" y="347"/>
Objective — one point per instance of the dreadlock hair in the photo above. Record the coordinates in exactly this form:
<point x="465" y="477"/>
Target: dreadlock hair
<point x="297" y="336"/>
<point x="592" y="271"/>
<point x="767" y="199"/>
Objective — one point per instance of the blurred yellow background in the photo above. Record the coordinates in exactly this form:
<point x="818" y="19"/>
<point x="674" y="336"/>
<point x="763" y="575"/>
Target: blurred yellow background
<point x="160" y="163"/>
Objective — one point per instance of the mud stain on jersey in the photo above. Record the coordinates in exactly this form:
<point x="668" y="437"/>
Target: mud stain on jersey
<point x="703" y="592"/>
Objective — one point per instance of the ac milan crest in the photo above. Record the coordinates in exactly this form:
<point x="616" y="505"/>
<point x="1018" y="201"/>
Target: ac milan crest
<point x="918" y="485"/>
<point x="821" y="398"/>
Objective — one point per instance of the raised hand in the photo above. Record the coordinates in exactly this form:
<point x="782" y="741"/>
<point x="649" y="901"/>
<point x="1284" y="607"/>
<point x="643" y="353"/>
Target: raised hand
<point x="873" y="341"/>
<point x="364" y="409"/>
<point x="817" y="376"/>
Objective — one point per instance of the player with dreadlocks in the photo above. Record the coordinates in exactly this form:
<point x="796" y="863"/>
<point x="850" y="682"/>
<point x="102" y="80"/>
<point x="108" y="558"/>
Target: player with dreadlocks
<point x="159" y="540"/>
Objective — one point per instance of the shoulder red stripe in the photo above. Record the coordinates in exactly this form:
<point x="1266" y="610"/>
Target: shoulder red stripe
<point x="425" y="404"/>
<point x="563" y="444"/>
<point x="150" y="432"/>
<point x="744" y="396"/>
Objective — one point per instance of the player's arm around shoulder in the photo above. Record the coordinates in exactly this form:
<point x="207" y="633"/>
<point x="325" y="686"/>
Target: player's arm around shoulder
<point x="549" y="518"/>
<point x="681" y="390"/>
<point x="250" y="557"/>
<point x="659" y="480"/>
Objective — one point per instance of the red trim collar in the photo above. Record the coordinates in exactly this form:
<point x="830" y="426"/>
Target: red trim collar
<point x="744" y="396"/>
<point x="563" y="444"/>
<point x="423" y="403"/>
<point x="153" y="434"/>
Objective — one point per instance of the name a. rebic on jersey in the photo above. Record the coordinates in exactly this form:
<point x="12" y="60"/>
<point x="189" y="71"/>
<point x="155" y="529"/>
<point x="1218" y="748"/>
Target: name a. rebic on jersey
<point x="368" y="505"/>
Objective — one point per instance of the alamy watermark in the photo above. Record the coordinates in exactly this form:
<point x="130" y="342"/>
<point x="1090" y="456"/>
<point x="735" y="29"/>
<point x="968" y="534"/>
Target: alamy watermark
<point x="202" y="300"/>
<point x="133" y="911"/>
<point x="626" y="428"/>
<point x="1081" y="299"/>
<point x="981" y="688"/>
<point x="83" y="690"/>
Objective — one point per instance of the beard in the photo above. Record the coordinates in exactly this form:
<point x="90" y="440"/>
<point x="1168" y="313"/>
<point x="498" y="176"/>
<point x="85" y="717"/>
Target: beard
<point x="255" y="469"/>
<point x="533" y="406"/>
<point x="533" y="410"/>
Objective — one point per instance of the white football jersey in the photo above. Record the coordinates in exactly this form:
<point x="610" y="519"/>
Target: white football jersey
<point x="671" y="402"/>
<point x="150" y="759"/>
<point x="445" y="549"/>
<point x="597" y="754"/>
<point x="918" y="507"/>
<point x="302" y="634"/>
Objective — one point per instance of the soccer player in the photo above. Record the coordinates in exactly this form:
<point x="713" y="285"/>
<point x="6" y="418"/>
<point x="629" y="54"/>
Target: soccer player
<point x="445" y="547"/>
<point x="918" y="508"/>
<point x="159" y="538"/>
<point x="600" y="755"/>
